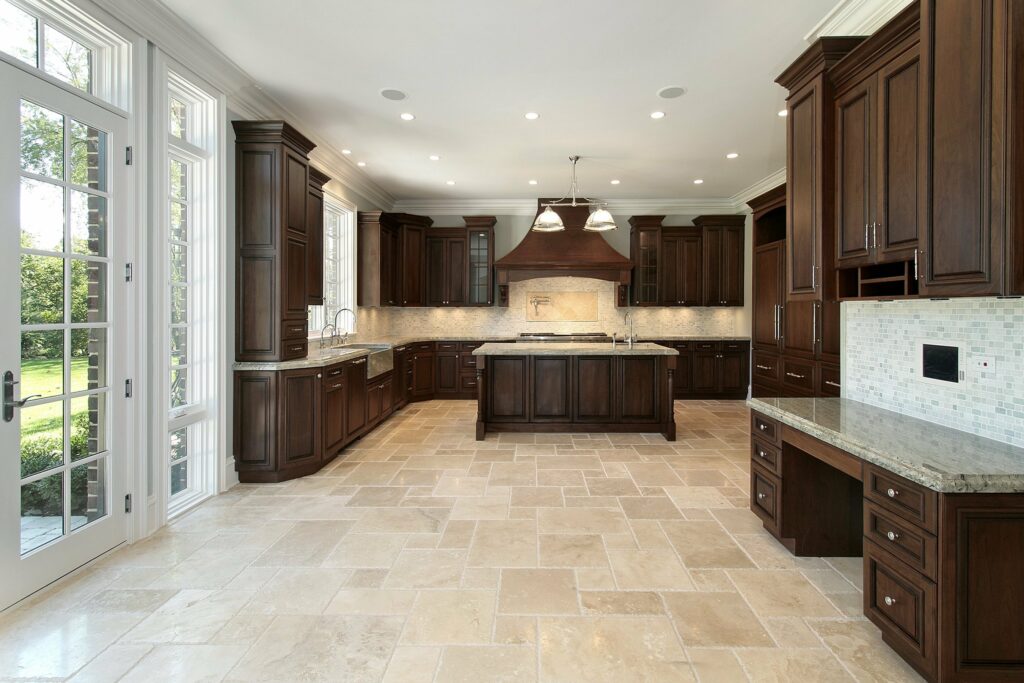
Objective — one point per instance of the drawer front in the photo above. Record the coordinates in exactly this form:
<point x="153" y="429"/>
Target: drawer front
<point x="828" y="380"/>
<point x="706" y="346"/>
<point x="906" y="499"/>
<point x="294" y="349"/>
<point x="294" y="330"/>
<point x="765" y="497"/>
<point x="765" y="428"/>
<point x="766" y="455"/>
<point x="766" y="367"/>
<point x="423" y="346"/>
<point x="902" y="603"/>
<point x="680" y="345"/>
<point x="735" y="346"/>
<point x="798" y="374"/>
<point x="447" y="346"/>
<point x="468" y="362"/>
<point x="467" y="383"/>
<point x="332" y="371"/>
<point x="469" y="347"/>
<point x="917" y="548"/>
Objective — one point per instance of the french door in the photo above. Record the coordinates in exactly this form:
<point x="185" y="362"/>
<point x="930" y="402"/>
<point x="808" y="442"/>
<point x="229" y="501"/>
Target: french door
<point x="62" y="339"/>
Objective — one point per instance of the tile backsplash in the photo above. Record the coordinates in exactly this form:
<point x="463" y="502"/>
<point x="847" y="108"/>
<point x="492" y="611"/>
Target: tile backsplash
<point x="494" y="321"/>
<point x="880" y="364"/>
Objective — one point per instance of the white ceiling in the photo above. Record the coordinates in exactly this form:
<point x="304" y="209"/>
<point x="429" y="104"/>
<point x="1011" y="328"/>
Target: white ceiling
<point x="472" y="68"/>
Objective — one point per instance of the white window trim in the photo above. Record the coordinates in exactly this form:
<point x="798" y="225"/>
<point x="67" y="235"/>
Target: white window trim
<point x="206" y="414"/>
<point x="317" y="319"/>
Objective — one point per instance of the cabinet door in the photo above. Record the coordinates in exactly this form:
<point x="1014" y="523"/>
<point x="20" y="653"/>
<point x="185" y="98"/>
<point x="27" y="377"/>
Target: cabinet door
<point x="374" y="403"/>
<point x="315" y="257"/>
<point x="647" y="258"/>
<point x="804" y="213"/>
<point x="355" y="395"/>
<point x="455" y="271"/>
<point x="594" y="393"/>
<point x="671" y="290"/>
<point x="390" y="268"/>
<point x="705" y="372"/>
<point x="422" y="374"/>
<point x="639" y="388"/>
<point x="767" y="292"/>
<point x="854" y="164"/>
<point x="299" y="415"/>
<point x="507" y="389"/>
<point x="829" y="343"/>
<point x="333" y="415"/>
<point x="481" y="256"/>
<point x="388" y="395"/>
<point x="296" y="190"/>
<point x="735" y="373"/>
<point x="713" y="267"/>
<point x="682" y="378"/>
<point x="897" y="170"/>
<point x="799" y="332"/>
<point x="436" y="277"/>
<point x="551" y="398"/>
<point x="731" y="265"/>
<point x="691" y="268"/>
<point x="412" y="265"/>
<point x="295" y="296"/>
<point x="446" y="372"/>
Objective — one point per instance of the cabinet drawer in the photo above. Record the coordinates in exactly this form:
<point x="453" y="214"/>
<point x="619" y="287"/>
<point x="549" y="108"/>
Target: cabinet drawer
<point x="294" y="349"/>
<point x="294" y="330"/>
<point x="910" y="501"/>
<point x="469" y="347"/>
<point x="734" y="346"/>
<point x="467" y="383"/>
<point x="798" y="374"/>
<point x="468" y="362"/>
<point x="828" y="380"/>
<point x="705" y="346"/>
<point x="766" y="455"/>
<point x="902" y="603"/>
<point x="765" y="497"/>
<point x="766" y="428"/>
<point x="917" y="548"/>
<point x="332" y="371"/>
<point x="766" y="367"/>
<point x="447" y="346"/>
<point x="423" y="347"/>
<point x="680" y="345"/>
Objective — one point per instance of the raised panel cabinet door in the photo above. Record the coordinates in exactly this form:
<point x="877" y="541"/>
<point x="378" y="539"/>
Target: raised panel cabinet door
<point x="594" y="393"/>
<point x="374" y="403"/>
<point x="315" y="256"/>
<point x="854" y="172"/>
<point x="295" y="297"/>
<point x="257" y="336"/>
<point x="446" y="372"/>
<point x="682" y="377"/>
<point x="799" y="331"/>
<point x="507" y="389"/>
<point x="732" y="266"/>
<point x="334" y="405"/>
<point x="691" y="268"/>
<point x="551" y="390"/>
<point x="803" y="167"/>
<point x="455" y="271"/>
<point x="639" y="388"/>
<point x="299" y="415"/>
<point x="422" y="374"/>
<point x="647" y="263"/>
<point x="735" y="373"/>
<point x="255" y="420"/>
<point x="296" y="189"/>
<point x="897" y="170"/>
<point x="767" y="293"/>
<point x="411" y="265"/>
<point x="671" y="290"/>
<point x="961" y="229"/>
<point x="355" y="398"/>
<point x="257" y="209"/>
<point x="436" y="276"/>
<point x="388" y="395"/>
<point x="705" y="372"/>
<point x="713" y="267"/>
<point x="829" y="342"/>
<point x="390" y="269"/>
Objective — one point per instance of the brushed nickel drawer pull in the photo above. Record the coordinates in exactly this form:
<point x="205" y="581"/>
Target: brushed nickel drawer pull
<point x="793" y="374"/>
<point x="763" y="427"/>
<point x="889" y="601"/>
<point x="892" y="493"/>
<point x="832" y="384"/>
<point x="295" y="348"/>
<point x="892" y="536"/>
<point x="762" y="454"/>
<point x="761" y="496"/>
<point x="763" y="367"/>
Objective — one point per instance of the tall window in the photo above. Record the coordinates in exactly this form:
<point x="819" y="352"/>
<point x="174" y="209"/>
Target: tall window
<point x="339" y="268"/>
<point x="190" y="260"/>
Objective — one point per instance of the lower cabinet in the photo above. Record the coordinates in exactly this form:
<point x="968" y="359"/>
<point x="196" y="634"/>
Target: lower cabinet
<point x="711" y="369"/>
<point x="334" y="405"/>
<point x="355" y="400"/>
<point x="778" y="375"/>
<point x="378" y="399"/>
<point x="422" y="370"/>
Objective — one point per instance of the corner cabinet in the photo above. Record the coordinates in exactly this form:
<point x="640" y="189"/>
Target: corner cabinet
<point x="278" y="240"/>
<point x="391" y="257"/>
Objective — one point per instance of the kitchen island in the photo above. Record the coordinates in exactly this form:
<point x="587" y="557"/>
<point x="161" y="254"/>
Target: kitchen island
<point x="575" y="387"/>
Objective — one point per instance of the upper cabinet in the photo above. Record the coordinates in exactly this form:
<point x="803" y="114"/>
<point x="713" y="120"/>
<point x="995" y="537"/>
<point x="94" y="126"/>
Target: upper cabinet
<point x="972" y="210"/>
<point x="699" y="265"/>
<point x="279" y="227"/>
<point x="460" y="264"/>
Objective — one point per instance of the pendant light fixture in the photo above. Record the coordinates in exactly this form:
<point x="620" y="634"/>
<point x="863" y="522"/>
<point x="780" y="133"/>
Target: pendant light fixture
<point x="599" y="220"/>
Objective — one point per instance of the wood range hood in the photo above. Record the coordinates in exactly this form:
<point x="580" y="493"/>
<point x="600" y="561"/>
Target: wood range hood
<point x="573" y="252"/>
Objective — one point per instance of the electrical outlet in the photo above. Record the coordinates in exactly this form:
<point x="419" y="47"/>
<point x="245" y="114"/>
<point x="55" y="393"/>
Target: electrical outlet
<point x="984" y="363"/>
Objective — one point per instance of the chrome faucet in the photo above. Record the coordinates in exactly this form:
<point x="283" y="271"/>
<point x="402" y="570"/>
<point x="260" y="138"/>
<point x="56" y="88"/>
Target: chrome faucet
<point x="344" y="336"/>
<point x="333" y="330"/>
<point x="629" y="321"/>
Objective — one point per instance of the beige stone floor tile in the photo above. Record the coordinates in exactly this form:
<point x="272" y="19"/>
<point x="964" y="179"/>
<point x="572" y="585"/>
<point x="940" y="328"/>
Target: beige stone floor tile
<point x="460" y="617"/>
<point x="480" y="578"/>
<point x="416" y="477"/>
<point x="457" y="534"/>
<point x="134" y="600"/>
<point x="415" y="568"/>
<point x="536" y="496"/>
<point x="191" y="616"/>
<point x="705" y="545"/>
<point x="538" y="591"/>
<point x="495" y="664"/>
<point x="608" y="486"/>
<point x="504" y="543"/>
<point x="738" y="521"/>
<point x="610" y="649"/>
<point x="307" y="544"/>
<point x="653" y="474"/>
<point x="513" y="474"/>
<point x="401" y="520"/>
<point x="180" y="662"/>
<point x="649" y="535"/>
<point x="777" y="665"/>
<point x="657" y="570"/>
<point x="652" y="507"/>
<point x="712" y="580"/>
<point x="515" y="630"/>
<point x="378" y="496"/>
<point x="781" y="594"/>
<point x="371" y="601"/>
<point x="560" y="478"/>
<point x="112" y="663"/>
<point x="716" y="665"/>
<point x="858" y="645"/>
<point x="582" y="520"/>
<point x="412" y="664"/>
<point x="595" y="579"/>
<point x="483" y="507"/>
<point x="460" y="486"/>
<point x="366" y="551"/>
<point x="379" y="473"/>
<point x="243" y="629"/>
<point x="621" y="602"/>
<point x="715" y="620"/>
<point x="297" y="590"/>
<point x="366" y="578"/>
<point x="791" y="632"/>
<point x="572" y="550"/>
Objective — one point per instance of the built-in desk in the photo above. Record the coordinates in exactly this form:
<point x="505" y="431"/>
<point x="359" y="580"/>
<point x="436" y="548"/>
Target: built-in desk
<point x="938" y="515"/>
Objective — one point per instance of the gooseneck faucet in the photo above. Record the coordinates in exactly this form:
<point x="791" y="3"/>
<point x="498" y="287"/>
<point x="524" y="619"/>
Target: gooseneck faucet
<point x="629" y="322"/>
<point x="344" y="336"/>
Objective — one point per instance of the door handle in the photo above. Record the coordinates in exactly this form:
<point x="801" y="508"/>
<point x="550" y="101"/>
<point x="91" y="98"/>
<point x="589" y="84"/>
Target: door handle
<point x="9" y="403"/>
<point x="866" y="245"/>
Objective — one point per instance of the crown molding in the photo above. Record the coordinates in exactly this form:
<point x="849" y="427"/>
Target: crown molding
<point x="770" y="181"/>
<point x="856" y="18"/>
<point x="528" y="207"/>
<point x="156" y="23"/>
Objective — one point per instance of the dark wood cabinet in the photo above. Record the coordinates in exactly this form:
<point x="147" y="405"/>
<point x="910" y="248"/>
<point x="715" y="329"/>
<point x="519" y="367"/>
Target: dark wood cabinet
<point x="507" y="389"/>
<point x="356" y="399"/>
<point x="423" y="370"/>
<point x="768" y="292"/>
<point x="447" y="275"/>
<point x="299" y="415"/>
<point x="411" y="261"/>
<point x="551" y="389"/>
<point x="705" y="369"/>
<point x="724" y="243"/>
<point x="447" y="368"/>
<point x="855" y="131"/>
<point x="682" y="278"/>
<point x="315" y="217"/>
<point x="593" y="395"/>
<point x="391" y="259"/>
<point x="710" y="369"/>
<point x="640" y="389"/>
<point x="379" y="395"/>
<point x="334" y="409"/>
<point x="645" y="251"/>
<point x="278" y="240"/>
<point x="480" y="260"/>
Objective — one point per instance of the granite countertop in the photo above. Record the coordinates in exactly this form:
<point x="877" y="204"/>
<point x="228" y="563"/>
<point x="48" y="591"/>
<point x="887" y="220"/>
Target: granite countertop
<point x="943" y="459"/>
<point x="572" y="349"/>
<point x="692" y="337"/>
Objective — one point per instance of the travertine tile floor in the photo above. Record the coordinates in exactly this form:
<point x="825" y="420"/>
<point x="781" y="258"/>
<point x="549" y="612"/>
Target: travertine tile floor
<point x="422" y="555"/>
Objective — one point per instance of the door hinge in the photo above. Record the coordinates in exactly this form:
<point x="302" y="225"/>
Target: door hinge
<point x="128" y="156"/>
<point x="128" y="503"/>
<point x="128" y="272"/>
<point x="127" y="388"/>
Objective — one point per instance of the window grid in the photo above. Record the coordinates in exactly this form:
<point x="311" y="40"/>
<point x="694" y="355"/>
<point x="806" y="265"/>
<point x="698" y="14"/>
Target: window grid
<point x="339" y="269"/>
<point x="180" y="208"/>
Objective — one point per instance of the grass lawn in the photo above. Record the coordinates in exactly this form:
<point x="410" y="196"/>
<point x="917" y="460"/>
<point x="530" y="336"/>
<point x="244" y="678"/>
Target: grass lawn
<point x="45" y="377"/>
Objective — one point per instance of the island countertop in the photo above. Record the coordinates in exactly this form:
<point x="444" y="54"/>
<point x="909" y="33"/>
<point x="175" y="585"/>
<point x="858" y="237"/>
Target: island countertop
<point x="573" y="349"/>
<point x="943" y="459"/>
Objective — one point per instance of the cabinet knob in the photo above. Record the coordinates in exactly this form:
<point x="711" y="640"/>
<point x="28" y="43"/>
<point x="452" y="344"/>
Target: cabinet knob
<point x="318" y="375"/>
<point x="892" y="493"/>
<point x="761" y="496"/>
<point x="762" y="427"/>
<point x="761" y="453"/>
<point x="892" y="535"/>
<point x="889" y="601"/>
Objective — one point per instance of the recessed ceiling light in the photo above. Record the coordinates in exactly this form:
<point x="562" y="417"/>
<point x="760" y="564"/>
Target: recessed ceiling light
<point x="783" y="113"/>
<point x="449" y="182"/>
<point x="360" y="163"/>
<point x="346" y="152"/>
<point x="616" y="182"/>
<point x="392" y="94"/>
<point x="698" y="181"/>
<point x="532" y="116"/>
<point x="657" y="114"/>
<point x="407" y="116"/>
<point x="434" y="157"/>
<point x="670" y="92"/>
<point x="532" y="182"/>
<point x="731" y="155"/>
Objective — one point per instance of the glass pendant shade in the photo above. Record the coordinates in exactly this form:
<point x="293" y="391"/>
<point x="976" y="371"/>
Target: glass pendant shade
<point x="600" y="221"/>
<point x="548" y="221"/>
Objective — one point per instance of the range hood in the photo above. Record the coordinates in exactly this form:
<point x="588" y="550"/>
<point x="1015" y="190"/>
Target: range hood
<point x="573" y="252"/>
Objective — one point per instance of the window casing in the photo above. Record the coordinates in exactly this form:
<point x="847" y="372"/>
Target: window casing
<point x="339" y="268"/>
